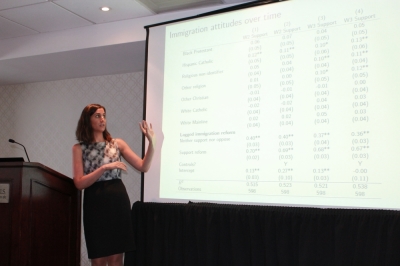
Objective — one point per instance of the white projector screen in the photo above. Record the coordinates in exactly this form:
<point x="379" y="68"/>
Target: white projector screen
<point x="291" y="103"/>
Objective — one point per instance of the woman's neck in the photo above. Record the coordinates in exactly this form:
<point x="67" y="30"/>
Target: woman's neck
<point x="98" y="137"/>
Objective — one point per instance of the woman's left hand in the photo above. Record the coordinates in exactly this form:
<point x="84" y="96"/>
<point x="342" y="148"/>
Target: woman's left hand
<point x="147" y="130"/>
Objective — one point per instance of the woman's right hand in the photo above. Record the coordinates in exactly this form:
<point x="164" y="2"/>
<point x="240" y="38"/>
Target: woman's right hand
<point x="115" y="165"/>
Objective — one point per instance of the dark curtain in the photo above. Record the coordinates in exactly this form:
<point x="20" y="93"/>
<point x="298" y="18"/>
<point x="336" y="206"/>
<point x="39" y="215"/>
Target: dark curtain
<point x="213" y="234"/>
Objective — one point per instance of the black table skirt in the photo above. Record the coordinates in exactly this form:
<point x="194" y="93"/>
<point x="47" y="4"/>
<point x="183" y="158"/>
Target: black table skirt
<point x="213" y="234"/>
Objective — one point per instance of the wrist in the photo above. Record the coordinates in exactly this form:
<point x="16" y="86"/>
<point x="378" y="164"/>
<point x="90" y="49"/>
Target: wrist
<point x="152" y="141"/>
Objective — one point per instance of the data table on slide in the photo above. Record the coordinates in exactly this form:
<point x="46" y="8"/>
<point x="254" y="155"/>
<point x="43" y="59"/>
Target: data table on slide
<point x="282" y="105"/>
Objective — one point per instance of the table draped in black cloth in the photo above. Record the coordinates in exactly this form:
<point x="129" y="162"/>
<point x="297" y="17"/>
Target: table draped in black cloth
<point x="199" y="234"/>
<point x="107" y="219"/>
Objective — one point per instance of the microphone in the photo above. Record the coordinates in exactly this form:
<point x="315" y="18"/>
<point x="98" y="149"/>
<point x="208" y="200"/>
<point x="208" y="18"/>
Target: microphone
<point x="13" y="141"/>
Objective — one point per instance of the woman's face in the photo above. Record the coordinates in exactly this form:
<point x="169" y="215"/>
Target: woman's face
<point x="98" y="120"/>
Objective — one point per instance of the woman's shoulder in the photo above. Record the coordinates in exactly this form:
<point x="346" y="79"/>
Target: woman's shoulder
<point x="77" y="147"/>
<point x="120" y="143"/>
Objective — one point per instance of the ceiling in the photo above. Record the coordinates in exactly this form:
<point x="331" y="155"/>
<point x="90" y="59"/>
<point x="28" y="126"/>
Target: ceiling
<point x="26" y="19"/>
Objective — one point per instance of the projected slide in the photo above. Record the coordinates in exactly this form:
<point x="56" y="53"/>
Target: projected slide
<point x="293" y="103"/>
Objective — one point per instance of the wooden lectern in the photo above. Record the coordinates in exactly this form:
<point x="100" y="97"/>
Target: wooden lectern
<point x="40" y="216"/>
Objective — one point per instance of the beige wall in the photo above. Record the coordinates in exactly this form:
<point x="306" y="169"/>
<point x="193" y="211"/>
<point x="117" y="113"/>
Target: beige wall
<point x="43" y="117"/>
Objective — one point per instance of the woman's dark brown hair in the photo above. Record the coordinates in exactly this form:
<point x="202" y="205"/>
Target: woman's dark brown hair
<point x="84" y="130"/>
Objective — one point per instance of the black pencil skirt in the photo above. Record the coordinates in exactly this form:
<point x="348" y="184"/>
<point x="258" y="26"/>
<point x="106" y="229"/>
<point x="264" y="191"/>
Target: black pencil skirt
<point x="107" y="219"/>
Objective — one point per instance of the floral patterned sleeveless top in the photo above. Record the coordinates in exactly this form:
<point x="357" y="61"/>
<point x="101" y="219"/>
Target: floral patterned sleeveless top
<point x="96" y="154"/>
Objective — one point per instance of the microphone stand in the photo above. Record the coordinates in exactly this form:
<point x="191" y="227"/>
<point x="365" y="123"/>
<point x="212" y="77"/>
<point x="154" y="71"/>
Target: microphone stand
<point x="13" y="141"/>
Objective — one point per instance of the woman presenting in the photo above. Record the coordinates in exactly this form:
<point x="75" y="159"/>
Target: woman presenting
<point x="97" y="169"/>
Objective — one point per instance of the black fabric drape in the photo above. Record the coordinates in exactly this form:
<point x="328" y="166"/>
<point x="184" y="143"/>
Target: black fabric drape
<point x="213" y="234"/>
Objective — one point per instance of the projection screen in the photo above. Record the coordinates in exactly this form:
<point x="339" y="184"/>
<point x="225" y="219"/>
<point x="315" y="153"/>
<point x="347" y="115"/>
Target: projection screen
<point x="293" y="103"/>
